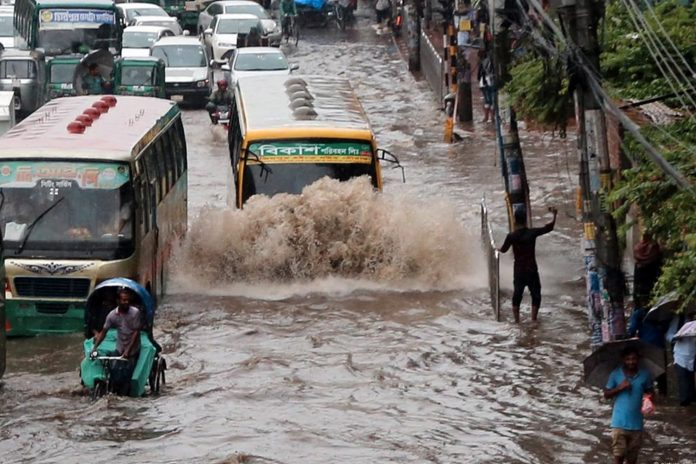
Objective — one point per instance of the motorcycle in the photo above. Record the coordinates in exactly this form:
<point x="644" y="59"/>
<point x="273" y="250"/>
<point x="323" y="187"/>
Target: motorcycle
<point x="221" y="116"/>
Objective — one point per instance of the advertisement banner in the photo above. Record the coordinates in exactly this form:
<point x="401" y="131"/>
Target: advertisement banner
<point x="312" y="152"/>
<point x="80" y="16"/>
<point x="63" y="174"/>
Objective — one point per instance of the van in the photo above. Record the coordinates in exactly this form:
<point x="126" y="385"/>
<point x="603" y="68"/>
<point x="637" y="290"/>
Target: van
<point x="187" y="68"/>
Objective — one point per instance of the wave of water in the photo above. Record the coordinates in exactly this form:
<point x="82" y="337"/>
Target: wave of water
<point x="332" y="230"/>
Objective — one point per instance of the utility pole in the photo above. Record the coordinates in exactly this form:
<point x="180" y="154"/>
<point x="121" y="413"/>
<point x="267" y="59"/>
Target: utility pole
<point x="604" y="277"/>
<point x="463" y="23"/>
<point x="512" y="161"/>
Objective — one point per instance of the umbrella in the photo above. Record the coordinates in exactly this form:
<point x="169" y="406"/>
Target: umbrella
<point x="663" y="311"/>
<point x="104" y="60"/>
<point x="608" y="357"/>
<point x="687" y="330"/>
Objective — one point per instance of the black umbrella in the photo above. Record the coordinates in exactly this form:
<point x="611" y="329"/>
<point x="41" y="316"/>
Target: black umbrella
<point x="608" y="357"/>
<point x="664" y="309"/>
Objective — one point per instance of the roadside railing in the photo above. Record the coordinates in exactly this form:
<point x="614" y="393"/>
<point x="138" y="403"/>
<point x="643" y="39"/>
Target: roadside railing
<point x="492" y="258"/>
<point x="432" y="65"/>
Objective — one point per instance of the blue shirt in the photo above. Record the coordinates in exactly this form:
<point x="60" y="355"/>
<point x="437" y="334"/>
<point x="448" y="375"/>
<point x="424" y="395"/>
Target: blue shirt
<point x="626" y="414"/>
<point x="646" y="331"/>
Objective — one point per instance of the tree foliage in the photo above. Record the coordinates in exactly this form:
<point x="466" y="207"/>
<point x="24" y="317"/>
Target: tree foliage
<point x="628" y="68"/>
<point x="667" y="211"/>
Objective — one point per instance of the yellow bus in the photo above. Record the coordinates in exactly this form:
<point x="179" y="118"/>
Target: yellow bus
<point x="91" y="188"/>
<point x="287" y="132"/>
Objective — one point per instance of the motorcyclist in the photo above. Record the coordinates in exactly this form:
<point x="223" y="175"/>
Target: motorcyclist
<point x="221" y="96"/>
<point x="288" y="13"/>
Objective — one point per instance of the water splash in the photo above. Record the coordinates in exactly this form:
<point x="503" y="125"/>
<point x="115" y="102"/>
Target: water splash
<point x="333" y="229"/>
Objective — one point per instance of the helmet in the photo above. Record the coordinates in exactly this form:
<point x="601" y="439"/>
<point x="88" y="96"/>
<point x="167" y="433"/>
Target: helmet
<point x="222" y="83"/>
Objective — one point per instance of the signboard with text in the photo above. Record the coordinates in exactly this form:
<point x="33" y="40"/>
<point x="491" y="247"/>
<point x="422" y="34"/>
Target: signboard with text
<point x="312" y="152"/>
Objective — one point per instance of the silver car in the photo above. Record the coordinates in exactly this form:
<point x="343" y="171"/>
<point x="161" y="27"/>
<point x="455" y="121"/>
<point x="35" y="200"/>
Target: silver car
<point x="271" y="29"/>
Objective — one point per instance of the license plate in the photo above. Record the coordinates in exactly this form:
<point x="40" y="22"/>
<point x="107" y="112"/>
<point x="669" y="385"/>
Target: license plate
<point x="138" y="88"/>
<point x="15" y="82"/>
<point x="177" y="98"/>
<point x="66" y="86"/>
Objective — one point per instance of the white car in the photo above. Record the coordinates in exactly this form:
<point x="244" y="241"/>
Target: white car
<point x="271" y="29"/>
<point x="7" y="30"/>
<point x="187" y="70"/>
<point x="221" y="36"/>
<point x="168" y="22"/>
<point x="256" y="61"/>
<point x="137" y="40"/>
<point x="133" y="10"/>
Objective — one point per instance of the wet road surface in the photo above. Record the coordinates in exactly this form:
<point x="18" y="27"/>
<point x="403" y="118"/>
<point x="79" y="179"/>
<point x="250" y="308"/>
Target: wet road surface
<point x="400" y="362"/>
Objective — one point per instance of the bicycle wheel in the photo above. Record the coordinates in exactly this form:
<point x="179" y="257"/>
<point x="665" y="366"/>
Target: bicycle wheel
<point x="160" y="379"/>
<point x="296" y="33"/>
<point x="99" y="390"/>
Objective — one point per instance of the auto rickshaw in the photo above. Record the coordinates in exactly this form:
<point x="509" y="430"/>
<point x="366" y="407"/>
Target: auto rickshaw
<point x="24" y="73"/>
<point x="142" y="76"/>
<point x="185" y="11"/>
<point x="60" y="72"/>
<point x="150" y="366"/>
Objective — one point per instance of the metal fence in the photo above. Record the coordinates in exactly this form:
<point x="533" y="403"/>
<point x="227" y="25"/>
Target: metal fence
<point x="493" y="260"/>
<point x="432" y="65"/>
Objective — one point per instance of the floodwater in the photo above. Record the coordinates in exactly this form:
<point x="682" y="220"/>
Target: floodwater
<point x="356" y="332"/>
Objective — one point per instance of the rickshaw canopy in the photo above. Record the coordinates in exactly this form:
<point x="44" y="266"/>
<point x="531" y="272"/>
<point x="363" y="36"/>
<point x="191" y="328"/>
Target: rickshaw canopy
<point x="145" y="299"/>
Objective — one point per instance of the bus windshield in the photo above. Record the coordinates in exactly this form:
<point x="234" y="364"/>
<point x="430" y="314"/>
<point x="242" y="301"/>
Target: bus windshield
<point x="67" y="209"/>
<point x="288" y="166"/>
<point x="69" y="30"/>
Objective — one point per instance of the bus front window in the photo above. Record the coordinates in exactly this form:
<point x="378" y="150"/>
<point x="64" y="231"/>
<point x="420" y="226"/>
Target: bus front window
<point x="61" y="211"/>
<point x="66" y="31"/>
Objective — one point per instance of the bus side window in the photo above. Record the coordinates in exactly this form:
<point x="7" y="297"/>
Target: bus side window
<point x="144" y="205"/>
<point x="180" y="144"/>
<point x="169" y="160"/>
<point x="161" y="168"/>
<point x="152" y="174"/>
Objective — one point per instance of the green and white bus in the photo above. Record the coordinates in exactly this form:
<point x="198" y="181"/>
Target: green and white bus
<point x="69" y="26"/>
<point x="93" y="188"/>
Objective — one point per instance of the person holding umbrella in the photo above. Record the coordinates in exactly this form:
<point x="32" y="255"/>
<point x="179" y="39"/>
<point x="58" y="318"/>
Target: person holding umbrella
<point x="684" y="353"/>
<point x="626" y="386"/>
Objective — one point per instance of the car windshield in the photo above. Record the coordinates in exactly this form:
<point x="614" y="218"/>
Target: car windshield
<point x="256" y="10"/>
<point x="132" y="13"/>
<point x="181" y="56"/>
<point x="237" y="26"/>
<point x="70" y="31"/>
<point x="138" y="39"/>
<point x="137" y="75"/>
<point x="63" y="73"/>
<point x="66" y="209"/>
<point x="6" y="26"/>
<point x="17" y="69"/>
<point x="260" y="62"/>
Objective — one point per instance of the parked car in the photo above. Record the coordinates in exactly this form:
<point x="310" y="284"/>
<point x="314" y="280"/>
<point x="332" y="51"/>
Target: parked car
<point x="137" y="40"/>
<point x="187" y="67"/>
<point x="221" y="36"/>
<point x="131" y="11"/>
<point x="169" y="23"/>
<point x="23" y="72"/>
<point x="253" y="61"/>
<point x="271" y="29"/>
<point x="60" y="76"/>
<point x="143" y="76"/>
<point x="7" y="30"/>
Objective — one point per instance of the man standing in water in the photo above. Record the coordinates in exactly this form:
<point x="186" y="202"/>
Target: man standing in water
<point x="626" y="386"/>
<point x="526" y="272"/>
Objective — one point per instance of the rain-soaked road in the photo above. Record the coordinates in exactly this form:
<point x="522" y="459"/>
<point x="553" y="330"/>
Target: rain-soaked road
<point x="401" y="363"/>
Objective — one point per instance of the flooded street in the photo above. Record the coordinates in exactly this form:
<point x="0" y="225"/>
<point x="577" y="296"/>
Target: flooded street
<point x="399" y="361"/>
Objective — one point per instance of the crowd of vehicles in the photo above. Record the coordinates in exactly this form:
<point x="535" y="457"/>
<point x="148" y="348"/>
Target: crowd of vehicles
<point x="93" y="188"/>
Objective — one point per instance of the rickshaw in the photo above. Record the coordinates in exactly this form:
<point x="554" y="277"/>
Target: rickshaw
<point x="60" y="72"/>
<point x="313" y="13"/>
<point x="150" y="367"/>
<point x="23" y="72"/>
<point x="143" y="76"/>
